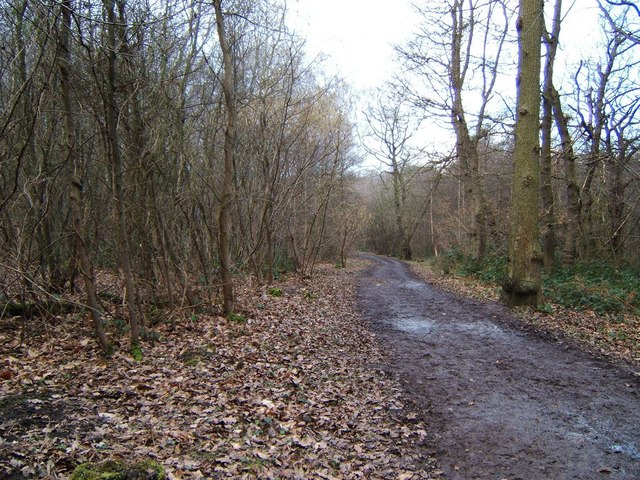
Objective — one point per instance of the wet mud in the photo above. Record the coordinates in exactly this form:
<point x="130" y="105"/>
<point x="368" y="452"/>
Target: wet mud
<point x="501" y="402"/>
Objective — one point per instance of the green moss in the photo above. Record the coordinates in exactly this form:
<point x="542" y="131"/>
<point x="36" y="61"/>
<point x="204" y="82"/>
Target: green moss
<point x="115" y="470"/>
<point x="109" y="470"/>
<point x="151" y="469"/>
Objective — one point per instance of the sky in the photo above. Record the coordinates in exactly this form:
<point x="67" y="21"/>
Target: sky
<point x="357" y="37"/>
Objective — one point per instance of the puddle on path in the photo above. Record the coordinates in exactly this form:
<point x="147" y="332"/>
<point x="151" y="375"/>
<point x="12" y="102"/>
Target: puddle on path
<point x="421" y="325"/>
<point x="627" y="449"/>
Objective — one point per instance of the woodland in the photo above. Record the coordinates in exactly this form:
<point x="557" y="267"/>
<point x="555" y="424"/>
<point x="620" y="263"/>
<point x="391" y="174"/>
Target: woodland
<point x="181" y="184"/>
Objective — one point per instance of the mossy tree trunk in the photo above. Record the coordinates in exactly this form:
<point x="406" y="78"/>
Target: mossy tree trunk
<point x="523" y="283"/>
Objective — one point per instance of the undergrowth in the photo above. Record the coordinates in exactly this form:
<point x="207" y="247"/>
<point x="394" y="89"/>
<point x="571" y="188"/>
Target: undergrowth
<point x="596" y="286"/>
<point x="490" y="269"/>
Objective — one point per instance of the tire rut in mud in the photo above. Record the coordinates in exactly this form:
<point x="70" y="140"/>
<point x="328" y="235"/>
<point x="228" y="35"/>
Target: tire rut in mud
<point x="502" y="403"/>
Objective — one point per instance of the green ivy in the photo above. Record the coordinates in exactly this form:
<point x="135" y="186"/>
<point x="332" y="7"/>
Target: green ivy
<point x="490" y="269"/>
<point x="597" y="286"/>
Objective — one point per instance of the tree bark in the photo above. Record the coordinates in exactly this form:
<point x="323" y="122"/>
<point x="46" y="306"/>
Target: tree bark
<point x="570" y="249"/>
<point x="228" y="88"/>
<point x="523" y="285"/>
<point x="548" y="203"/>
<point x="75" y="182"/>
<point x="113" y="146"/>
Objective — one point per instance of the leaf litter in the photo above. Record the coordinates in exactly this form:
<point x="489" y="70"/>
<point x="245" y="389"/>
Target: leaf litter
<point x="293" y="392"/>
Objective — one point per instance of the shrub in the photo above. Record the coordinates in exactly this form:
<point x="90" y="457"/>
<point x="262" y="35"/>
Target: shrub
<point x="490" y="269"/>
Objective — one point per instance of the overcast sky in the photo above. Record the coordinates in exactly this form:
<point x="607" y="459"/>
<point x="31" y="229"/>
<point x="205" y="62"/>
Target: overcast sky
<point x="358" y="36"/>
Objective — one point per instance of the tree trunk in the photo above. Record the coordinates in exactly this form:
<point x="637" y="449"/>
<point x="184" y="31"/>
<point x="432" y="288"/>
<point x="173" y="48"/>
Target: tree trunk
<point x="399" y="195"/>
<point x="570" y="250"/>
<point x="523" y="284"/>
<point x="86" y="267"/>
<point x="548" y="207"/>
<point x="616" y="198"/>
<point x="228" y="88"/>
<point x="466" y="146"/>
<point x="75" y="182"/>
<point x="29" y="121"/>
<point x="113" y="146"/>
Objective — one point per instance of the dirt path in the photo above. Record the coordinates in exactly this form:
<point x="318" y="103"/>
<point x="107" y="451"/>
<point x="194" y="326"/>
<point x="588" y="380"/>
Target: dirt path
<point x="501" y="403"/>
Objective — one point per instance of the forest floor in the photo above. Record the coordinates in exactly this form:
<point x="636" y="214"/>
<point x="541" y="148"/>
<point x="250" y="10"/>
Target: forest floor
<point x="503" y="400"/>
<point x="318" y="384"/>
<point x="294" y="391"/>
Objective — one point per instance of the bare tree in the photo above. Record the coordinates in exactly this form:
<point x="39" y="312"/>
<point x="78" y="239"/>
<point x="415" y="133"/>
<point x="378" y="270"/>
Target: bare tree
<point x="224" y="222"/>
<point x="75" y="181"/>
<point x="458" y="50"/>
<point x="193" y="110"/>
<point x="115" y="156"/>
<point x="551" y="41"/>
<point x="392" y="125"/>
<point x="607" y="105"/>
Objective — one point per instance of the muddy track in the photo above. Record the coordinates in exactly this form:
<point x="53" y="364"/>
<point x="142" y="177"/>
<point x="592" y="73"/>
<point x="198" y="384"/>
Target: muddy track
<point x="501" y="403"/>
